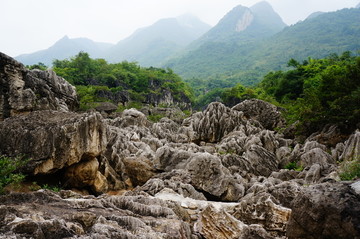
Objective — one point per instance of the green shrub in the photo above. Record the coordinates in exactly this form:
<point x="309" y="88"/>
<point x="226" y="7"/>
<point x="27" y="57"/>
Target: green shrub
<point x="8" y="171"/>
<point x="51" y="188"/>
<point x="155" y="117"/>
<point x="294" y="166"/>
<point x="350" y="170"/>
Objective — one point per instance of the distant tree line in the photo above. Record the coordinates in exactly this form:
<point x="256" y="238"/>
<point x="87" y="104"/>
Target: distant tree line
<point x="90" y="76"/>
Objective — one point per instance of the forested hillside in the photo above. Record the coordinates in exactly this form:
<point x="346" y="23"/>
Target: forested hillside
<point x="96" y="81"/>
<point x="247" y="63"/>
<point x="314" y="93"/>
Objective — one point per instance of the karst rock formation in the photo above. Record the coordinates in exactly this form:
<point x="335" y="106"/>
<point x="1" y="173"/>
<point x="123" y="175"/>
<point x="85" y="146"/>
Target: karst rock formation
<point x="216" y="174"/>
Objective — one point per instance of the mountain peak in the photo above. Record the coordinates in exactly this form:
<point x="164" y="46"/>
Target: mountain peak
<point x="246" y="24"/>
<point x="64" y="38"/>
<point x="263" y="5"/>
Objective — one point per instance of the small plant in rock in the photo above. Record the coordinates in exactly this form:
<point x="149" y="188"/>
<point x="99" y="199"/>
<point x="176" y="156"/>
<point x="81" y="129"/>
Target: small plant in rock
<point x="155" y="117"/>
<point x="34" y="187"/>
<point x="294" y="166"/>
<point x="8" y="171"/>
<point x="51" y="188"/>
<point x="350" y="170"/>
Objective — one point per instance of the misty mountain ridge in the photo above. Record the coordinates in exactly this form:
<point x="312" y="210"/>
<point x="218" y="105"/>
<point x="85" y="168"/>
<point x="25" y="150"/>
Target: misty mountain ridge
<point x="245" y="24"/>
<point x="253" y="39"/>
<point x="246" y="63"/>
<point x="65" y="48"/>
<point x="150" y="46"/>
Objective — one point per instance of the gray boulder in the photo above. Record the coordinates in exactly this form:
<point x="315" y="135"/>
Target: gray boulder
<point x="328" y="210"/>
<point x="267" y="114"/>
<point x="23" y="91"/>
<point x="53" y="139"/>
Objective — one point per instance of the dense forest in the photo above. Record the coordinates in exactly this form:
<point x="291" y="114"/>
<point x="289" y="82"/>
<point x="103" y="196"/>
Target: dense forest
<point x="314" y="93"/>
<point x="96" y="80"/>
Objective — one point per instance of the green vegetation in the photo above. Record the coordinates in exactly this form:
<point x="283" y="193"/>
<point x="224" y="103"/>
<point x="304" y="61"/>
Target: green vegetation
<point x="319" y="92"/>
<point x="51" y="188"/>
<point x="247" y="62"/>
<point x="155" y="117"/>
<point x="8" y="171"/>
<point x="294" y="166"/>
<point x="39" y="66"/>
<point x="98" y="81"/>
<point x="313" y="93"/>
<point x="350" y="170"/>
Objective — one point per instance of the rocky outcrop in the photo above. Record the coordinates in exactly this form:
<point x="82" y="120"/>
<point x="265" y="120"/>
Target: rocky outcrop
<point x="326" y="211"/>
<point x="216" y="122"/>
<point x="351" y="149"/>
<point x="23" y="91"/>
<point x="267" y="114"/>
<point x="216" y="174"/>
<point x="53" y="140"/>
<point x="69" y="215"/>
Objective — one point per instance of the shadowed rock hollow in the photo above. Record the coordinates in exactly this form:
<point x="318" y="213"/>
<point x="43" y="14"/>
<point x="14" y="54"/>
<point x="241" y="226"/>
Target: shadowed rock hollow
<point x="217" y="174"/>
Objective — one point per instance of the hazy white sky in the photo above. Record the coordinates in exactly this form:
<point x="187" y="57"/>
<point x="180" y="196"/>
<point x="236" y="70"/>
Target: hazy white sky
<point x="31" y="25"/>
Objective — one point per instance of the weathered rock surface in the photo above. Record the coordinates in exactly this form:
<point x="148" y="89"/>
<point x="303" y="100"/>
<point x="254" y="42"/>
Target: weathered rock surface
<point x="265" y="210"/>
<point x="351" y="149"/>
<point x="325" y="211"/>
<point x="44" y="214"/>
<point x="23" y="91"/>
<point x="267" y="114"/>
<point x="216" y="174"/>
<point x="52" y="139"/>
<point x="216" y="121"/>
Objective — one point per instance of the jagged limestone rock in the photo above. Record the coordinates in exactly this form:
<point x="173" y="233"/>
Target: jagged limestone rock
<point x="216" y="121"/>
<point x="263" y="209"/>
<point x="328" y="210"/>
<point x="316" y="156"/>
<point x="209" y="175"/>
<point x="23" y="91"/>
<point x="25" y="215"/>
<point x="267" y="114"/>
<point x="86" y="174"/>
<point x="53" y="139"/>
<point x="351" y="149"/>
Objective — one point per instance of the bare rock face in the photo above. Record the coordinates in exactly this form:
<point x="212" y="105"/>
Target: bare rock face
<point x="209" y="175"/>
<point x="316" y="156"/>
<point x="23" y="91"/>
<point x="86" y="174"/>
<point x="217" y="121"/>
<point x="44" y="214"/>
<point x="52" y="139"/>
<point x="326" y="211"/>
<point x="265" y="210"/>
<point x="219" y="224"/>
<point x="216" y="223"/>
<point x="267" y="114"/>
<point x="351" y="149"/>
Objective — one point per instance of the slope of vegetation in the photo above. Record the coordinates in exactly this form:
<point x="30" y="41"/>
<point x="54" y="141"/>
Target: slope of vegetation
<point x="96" y="79"/>
<point x="314" y="93"/>
<point x="247" y="63"/>
<point x="319" y="92"/>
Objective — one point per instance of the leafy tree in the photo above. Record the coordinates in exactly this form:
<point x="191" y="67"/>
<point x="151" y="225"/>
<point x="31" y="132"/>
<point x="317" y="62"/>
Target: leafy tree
<point x="86" y="73"/>
<point x="319" y="91"/>
<point x="8" y="168"/>
<point x="39" y="66"/>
